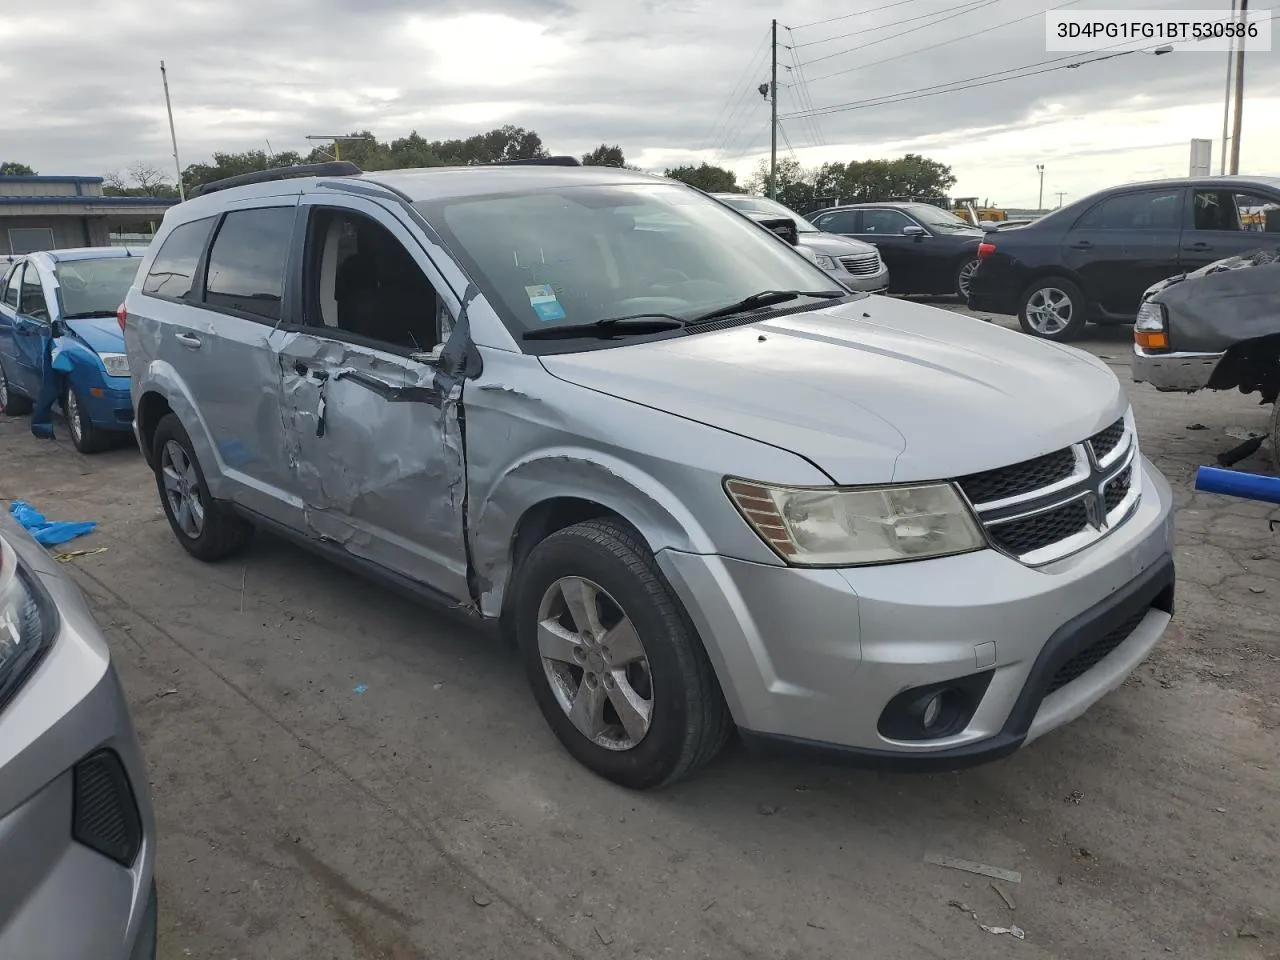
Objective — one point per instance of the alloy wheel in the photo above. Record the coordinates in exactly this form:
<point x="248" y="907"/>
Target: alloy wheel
<point x="73" y="416"/>
<point x="4" y="393"/>
<point x="965" y="276"/>
<point x="182" y="488"/>
<point x="595" y="663"/>
<point x="1049" y="311"/>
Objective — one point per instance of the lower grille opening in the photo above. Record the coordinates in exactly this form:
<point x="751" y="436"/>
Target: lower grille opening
<point x="1095" y="653"/>
<point x="104" y="812"/>
<point x="1023" y="536"/>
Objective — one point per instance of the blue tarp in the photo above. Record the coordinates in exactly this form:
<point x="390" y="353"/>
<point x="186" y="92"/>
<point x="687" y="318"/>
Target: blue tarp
<point x="50" y="533"/>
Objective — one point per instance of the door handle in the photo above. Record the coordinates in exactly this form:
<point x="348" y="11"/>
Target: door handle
<point x="188" y="340"/>
<point x="1081" y="245"/>
<point x="1197" y="247"/>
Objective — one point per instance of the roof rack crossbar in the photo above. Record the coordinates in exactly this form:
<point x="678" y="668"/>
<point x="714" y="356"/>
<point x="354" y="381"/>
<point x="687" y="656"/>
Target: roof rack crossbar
<point x="333" y="168"/>
<point x="539" y="162"/>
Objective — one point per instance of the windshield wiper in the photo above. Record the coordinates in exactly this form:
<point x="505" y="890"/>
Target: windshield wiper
<point x="89" y="315"/>
<point x="767" y="298"/>
<point x="636" y="323"/>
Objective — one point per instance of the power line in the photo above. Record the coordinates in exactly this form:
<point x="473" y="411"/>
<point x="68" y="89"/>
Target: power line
<point x="736" y="120"/>
<point x="942" y="43"/>
<point x="751" y="142"/>
<point x="846" y="16"/>
<point x="806" y="100"/>
<point x="787" y="140"/>
<point x="963" y="7"/>
<point x="734" y="89"/>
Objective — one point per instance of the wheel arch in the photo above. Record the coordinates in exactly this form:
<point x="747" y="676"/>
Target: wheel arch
<point x="1251" y="366"/>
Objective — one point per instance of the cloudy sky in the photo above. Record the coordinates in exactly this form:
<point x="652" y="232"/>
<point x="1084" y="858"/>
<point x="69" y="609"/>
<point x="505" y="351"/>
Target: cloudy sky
<point x="672" y="81"/>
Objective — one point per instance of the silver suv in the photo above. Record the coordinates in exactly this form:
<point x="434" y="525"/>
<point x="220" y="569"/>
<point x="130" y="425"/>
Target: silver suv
<point x="699" y="483"/>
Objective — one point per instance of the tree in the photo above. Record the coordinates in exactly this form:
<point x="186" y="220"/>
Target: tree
<point x="502" y="143"/>
<point x="605" y="155"/>
<point x="146" y="181"/>
<point x="706" y="177"/>
<point x="858" y="181"/>
<point x="9" y="168"/>
<point x="795" y="187"/>
<point x="233" y="164"/>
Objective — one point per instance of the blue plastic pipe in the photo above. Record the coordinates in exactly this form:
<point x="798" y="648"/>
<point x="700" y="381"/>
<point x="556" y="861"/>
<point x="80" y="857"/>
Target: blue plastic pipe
<point x="1233" y="483"/>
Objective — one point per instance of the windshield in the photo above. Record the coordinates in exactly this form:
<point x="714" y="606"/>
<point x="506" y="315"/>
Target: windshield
<point x="938" y="219"/>
<point x="581" y="254"/>
<point x="769" y="208"/>
<point x="94" y="287"/>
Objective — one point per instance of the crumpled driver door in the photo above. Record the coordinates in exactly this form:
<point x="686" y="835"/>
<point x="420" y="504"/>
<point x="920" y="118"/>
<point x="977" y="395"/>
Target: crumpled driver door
<point x="376" y="451"/>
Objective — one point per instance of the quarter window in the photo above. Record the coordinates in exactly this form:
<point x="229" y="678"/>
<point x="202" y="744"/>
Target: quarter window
<point x="247" y="260"/>
<point x="173" y="272"/>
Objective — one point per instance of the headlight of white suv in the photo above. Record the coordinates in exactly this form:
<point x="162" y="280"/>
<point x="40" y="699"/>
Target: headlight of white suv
<point x="853" y="526"/>
<point x="117" y="364"/>
<point x="26" y="625"/>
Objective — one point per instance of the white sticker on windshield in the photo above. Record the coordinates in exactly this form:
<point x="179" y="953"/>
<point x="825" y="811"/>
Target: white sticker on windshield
<point x="544" y="302"/>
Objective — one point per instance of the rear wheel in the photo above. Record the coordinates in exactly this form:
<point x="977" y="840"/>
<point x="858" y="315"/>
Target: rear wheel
<point x="206" y="529"/>
<point x="86" y="437"/>
<point x="14" y="404"/>
<point x="964" y="273"/>
<point x="616" y="667"/>
<point x="1053" y="309"/>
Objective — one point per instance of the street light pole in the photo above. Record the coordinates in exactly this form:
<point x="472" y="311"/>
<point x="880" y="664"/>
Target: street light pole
<point x="1040" y="202"/>
<point x="1239" y="105"/>
<point x="773" y="117"/>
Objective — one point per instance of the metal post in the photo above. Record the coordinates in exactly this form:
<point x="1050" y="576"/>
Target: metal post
<point x="773" y="118"/>
<point x="1040" y="202"/>
<point x="1226" y="97"/>
<point x="1239" y="105"/>
<point x="173" y="137"/>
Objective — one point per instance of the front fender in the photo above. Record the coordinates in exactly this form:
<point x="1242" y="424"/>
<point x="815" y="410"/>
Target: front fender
<point x="160" y="377"/>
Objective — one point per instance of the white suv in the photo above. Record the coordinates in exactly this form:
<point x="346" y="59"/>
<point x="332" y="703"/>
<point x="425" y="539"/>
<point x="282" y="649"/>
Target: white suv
<point x="698" y="482"/>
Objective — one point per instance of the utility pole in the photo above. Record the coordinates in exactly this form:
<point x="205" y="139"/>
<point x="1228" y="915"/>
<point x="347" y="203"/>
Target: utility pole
<point x="773" y="115"/>
<point x="1040" y="202"/>
<point x="1061" y="194"/>
<point x="173" y="137"/>
<point x="1239" y="106"/>
<point x="1226" y="97"/>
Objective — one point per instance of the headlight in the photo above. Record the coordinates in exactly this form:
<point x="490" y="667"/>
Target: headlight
<point x="26" y="624"/>
<point x="117" y="364"/>
<point x="845" y="527"/>
<point x="1151" y="317"/>
<point x="826" y="263"/>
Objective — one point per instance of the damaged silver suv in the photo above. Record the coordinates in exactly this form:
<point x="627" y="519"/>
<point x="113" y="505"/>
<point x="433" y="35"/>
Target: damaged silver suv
<point x="702" y="485"/>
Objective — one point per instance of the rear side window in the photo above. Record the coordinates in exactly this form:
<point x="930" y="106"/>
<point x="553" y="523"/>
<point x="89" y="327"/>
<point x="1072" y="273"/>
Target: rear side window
<point x="844" y="221"/>
<point x="11" y="290"/>
<point x="246" y="263"/>
<point x="173" y="272"/>
<point x="1150" y="210"/>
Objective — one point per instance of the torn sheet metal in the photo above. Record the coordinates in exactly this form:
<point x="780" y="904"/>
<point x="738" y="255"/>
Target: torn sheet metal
<point x="375" y="447"/>
<point x="1224" y="303"/>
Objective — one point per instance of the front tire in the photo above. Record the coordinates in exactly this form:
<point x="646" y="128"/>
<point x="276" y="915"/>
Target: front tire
<point x="86" y="437"/>
<point x="964" y="273"/>
<point x="1053" y="309"/>
<point x="616" y="667"/>
<point x="206" y="529"/>
<point x="14" y="404"/>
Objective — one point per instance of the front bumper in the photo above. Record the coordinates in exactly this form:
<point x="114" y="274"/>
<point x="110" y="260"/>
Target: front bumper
<point x="1184" y="372"/>
<point x="60" y="898"/>
<point x="862" y="283"/>
<point x="811" y="658"/>
<point x="110" y="407"/>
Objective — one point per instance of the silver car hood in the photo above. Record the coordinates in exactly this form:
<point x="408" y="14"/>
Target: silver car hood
<point x="871" y="390"/>
<point x="834" y="245"/>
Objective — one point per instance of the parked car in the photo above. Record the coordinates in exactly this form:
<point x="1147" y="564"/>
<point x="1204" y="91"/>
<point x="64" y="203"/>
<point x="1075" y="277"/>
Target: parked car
<point x="1091" y="261"/>
<point x="77" y="833"/>
<point x="698" y="482"/>
<point x="71" y="297"/>
<point x="927" y="249"/>
<point x="849" y="262"/>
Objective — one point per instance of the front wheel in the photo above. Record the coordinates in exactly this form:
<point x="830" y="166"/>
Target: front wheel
<point x="616" y="667"/>
<point x="86" y="437"/>
<point x="1053" y="309"/>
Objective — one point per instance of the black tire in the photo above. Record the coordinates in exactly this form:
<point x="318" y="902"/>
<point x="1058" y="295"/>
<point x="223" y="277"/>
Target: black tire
<point x="960" y="280"/>
<point x="690" y="720"/>
<point x="14" y="404"/>
<point x="1274" y="437"/>
<point x="1046" y="293"/>
<point x="86" y="437"/>
<point x="222" y="533"/>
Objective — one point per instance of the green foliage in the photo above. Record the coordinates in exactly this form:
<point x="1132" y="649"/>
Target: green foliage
<point x="605" y="155"/>
<point x="858" y="181"/>
<point x="706" y="177"/>
<point x="10" y="168"/>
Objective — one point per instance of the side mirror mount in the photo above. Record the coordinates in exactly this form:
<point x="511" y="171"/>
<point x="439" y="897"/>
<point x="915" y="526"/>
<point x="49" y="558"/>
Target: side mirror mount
<point x="913" y="231"/>
<point x="784" y="227"/>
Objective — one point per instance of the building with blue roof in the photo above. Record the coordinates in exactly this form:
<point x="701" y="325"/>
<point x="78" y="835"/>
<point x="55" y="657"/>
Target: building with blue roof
<point x="49" y="213"/>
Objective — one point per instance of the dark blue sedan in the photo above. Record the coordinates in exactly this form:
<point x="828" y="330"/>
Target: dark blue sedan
<point x="58" y="308"/>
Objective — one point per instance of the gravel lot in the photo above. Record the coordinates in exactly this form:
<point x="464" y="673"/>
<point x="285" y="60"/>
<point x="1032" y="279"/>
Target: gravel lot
<point x="433" y="815"/>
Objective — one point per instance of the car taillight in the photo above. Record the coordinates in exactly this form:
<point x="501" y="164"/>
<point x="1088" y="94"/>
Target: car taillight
<point x="985" y="249"/>
<point x="121" y="316"/>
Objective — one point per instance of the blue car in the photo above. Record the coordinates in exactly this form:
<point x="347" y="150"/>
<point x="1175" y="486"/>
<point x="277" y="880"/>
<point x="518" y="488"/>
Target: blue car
<point x="59" y="307"/>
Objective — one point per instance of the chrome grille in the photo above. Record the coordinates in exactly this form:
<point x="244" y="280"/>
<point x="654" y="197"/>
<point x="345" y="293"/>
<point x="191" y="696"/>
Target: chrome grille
<point x="862" y="264"/>
<point x="1041" y="510"/>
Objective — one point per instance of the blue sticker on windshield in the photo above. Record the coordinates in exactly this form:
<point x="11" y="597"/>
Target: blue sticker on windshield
<point x="543" y="300"/>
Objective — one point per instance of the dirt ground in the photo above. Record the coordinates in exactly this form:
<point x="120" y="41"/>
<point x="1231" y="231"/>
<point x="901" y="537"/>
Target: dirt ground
<point x="341" y="774"/>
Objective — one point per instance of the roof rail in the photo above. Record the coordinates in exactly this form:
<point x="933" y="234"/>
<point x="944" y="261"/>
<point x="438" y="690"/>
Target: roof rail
<point x="541" y="162"/>
<point x="333" y="168"/>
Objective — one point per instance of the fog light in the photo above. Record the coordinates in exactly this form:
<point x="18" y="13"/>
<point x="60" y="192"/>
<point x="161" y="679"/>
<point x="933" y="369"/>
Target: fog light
<point x="931" y="711"/>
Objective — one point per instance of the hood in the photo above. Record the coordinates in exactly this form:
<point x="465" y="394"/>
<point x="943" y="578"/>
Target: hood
<point x="834" y="245"/>
<point x="871" y="390"/>
<point x="102" y="334"/>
